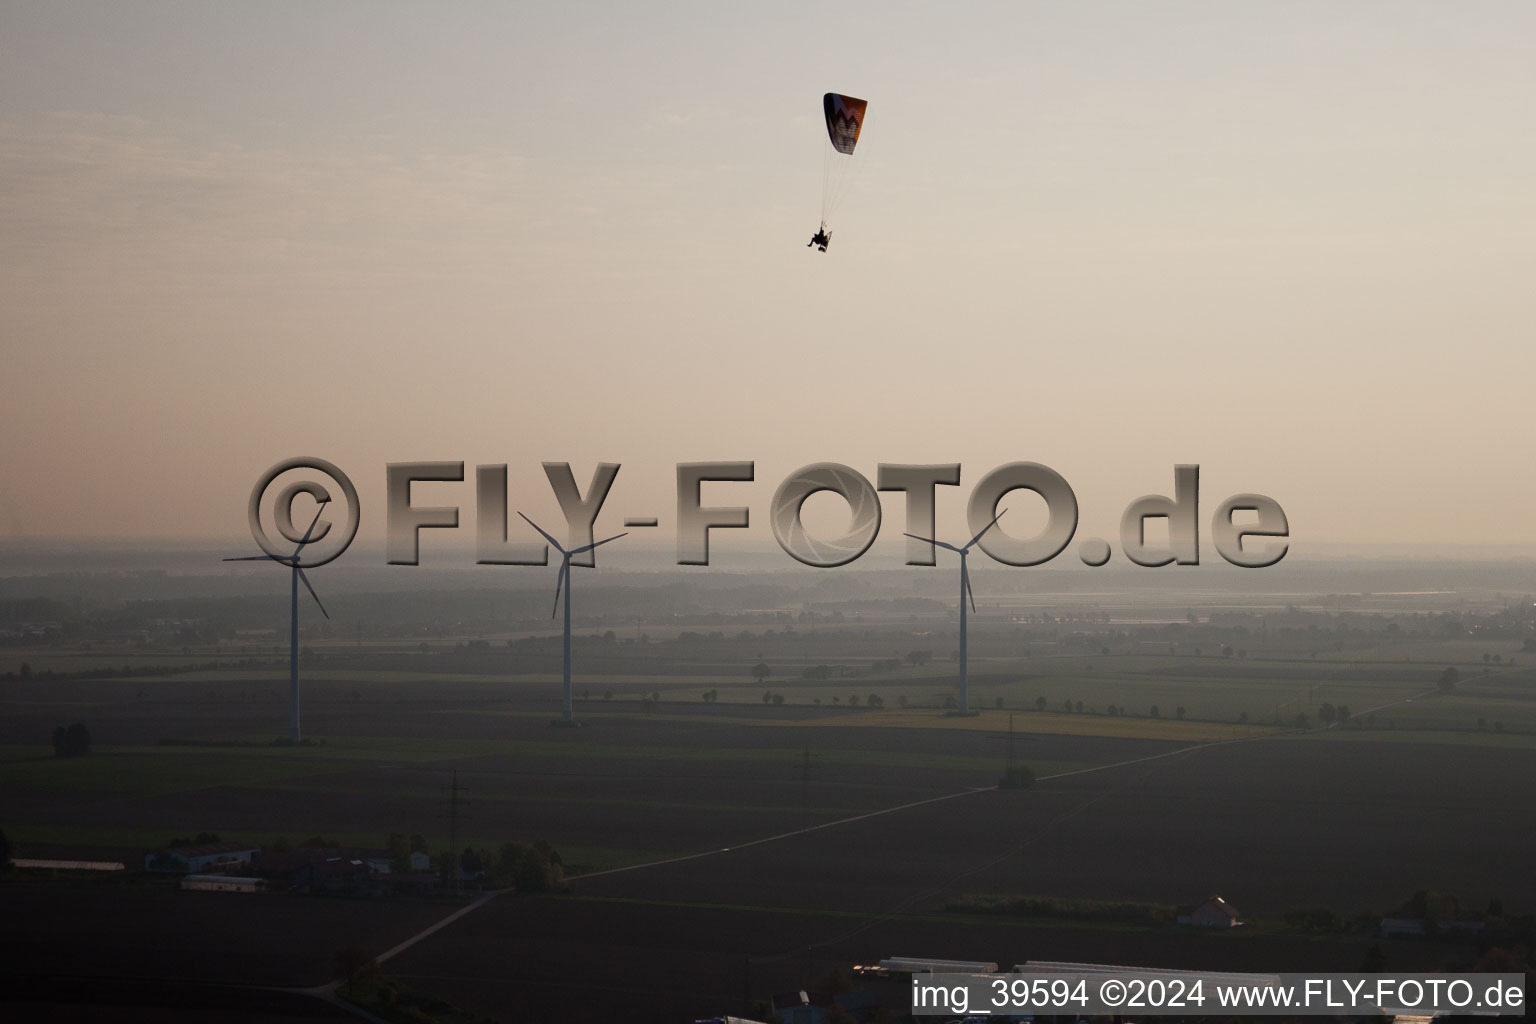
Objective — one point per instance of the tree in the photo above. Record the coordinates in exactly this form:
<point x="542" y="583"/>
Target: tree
<point x="761" y="671"/>
<point x="539" y="872"/>
<point x="1326" y="714"/>
<point x="1449" y="678"/>
<point x="353" y="964"/>
<point x="876" y="701"/>
<point x="74" y="741"/>
<point x="1153" y="712"/>
<point x="399" y="853"/>
<point x="917" y="659"/>
<point x="1039" y="703"/>
<point x="1017" y="777"/>
<point x="1178" y="712"/>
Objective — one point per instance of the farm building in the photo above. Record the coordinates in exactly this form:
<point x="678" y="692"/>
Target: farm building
<point x="223" y="883"/>
<point x="1403" y="927"/>
<point x="1147" y="973"/>
<point x="335" y="869"/>
<point x="922" y="965"/>
<point x="68" y="865"/>
<point x="199" y="859"/>
<point x="1213" y="913"/>
<point x="817" y="1008"/>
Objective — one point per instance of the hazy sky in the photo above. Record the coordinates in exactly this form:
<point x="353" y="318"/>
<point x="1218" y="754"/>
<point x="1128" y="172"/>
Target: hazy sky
<point x="1292" y="242"/>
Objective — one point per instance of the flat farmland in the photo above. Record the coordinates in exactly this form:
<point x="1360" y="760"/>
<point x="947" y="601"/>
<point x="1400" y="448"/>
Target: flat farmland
<point x="627" y="787"/>
<point x="1271" y="824"/>
<point x="350" y="687"/>
<point x="723" y="850"/>
<point x="591" y="961"/>
<point x="166" y="933"/>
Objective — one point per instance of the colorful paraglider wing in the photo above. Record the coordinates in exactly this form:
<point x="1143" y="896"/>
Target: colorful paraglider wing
<point x="845" y="116"/>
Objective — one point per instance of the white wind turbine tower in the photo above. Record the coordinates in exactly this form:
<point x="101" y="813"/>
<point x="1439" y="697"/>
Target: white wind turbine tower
<point x="563" y="581"/>
<point x="293" y="651"/>
<point x="965" y="594"/>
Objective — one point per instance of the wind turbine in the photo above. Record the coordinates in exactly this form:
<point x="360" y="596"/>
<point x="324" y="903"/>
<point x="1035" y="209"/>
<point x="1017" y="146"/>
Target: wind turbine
<point x="293" y="650"/>
<point x="563" y="581"/>
<point x="965" y="594"/>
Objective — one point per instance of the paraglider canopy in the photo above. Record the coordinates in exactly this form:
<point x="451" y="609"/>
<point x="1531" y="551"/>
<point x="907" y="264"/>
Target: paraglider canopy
<point x="845" y="116"/>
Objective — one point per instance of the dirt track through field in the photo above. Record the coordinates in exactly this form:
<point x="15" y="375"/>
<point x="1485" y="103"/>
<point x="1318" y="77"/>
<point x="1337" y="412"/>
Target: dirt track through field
<point x="908" y="901"/>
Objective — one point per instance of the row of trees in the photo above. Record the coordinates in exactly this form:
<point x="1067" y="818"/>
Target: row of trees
<point x="1328" y="714"/>
<point x="74" y="741"/>
<point x="914" y="659"/>
<point x="530" y="868"/>
<point x="874" y="700"/>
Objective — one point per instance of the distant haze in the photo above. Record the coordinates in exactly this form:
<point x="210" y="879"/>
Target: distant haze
<point x="1293" y="243"/>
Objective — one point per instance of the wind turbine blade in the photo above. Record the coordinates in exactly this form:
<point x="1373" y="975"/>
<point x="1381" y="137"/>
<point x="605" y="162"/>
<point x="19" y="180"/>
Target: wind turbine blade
<point x="984" y="529"/>
<point x="565" y="567"/>
<point x="546" y="536"/>
<point x="258" y="558"/>
<point x="968" y="591"/>
<point x="305" y="580"/>
<point x="589" y="547"/>
<point x="312" y="524"/>
<point x="930" y="540"/>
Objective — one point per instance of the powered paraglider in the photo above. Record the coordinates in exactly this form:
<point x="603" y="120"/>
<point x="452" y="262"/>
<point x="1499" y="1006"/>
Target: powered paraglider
<point x="845" y="120"/>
